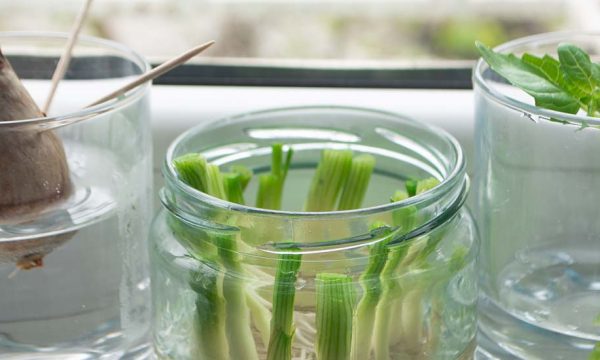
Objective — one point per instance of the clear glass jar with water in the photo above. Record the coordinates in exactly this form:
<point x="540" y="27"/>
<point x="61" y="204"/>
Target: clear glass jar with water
<point x="212" y="302"/>
<point x="73" y="266"/>
<point x="537" y="202"/>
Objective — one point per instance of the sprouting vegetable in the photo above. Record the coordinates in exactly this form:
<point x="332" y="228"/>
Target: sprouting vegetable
<point x="34" y="175"/>
<point x="237" y="334"/>
<point x="351" y="185"/>
<point x="349" y="324"/>
<point x="364" y="320"/>
<point x="567" y="84"/>
<point x="328" y="181"/>
<point x="269" y="196"/>
<point x="335" y="306"/>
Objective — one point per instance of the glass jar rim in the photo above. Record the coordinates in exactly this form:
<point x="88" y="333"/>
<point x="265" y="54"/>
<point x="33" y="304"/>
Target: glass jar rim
<point x="455" y="178"/>
<point x="50" y="122"/>
<point x="544" y="38"/>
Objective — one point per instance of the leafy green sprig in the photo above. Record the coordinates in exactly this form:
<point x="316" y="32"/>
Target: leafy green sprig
<point x="568" y="84"/>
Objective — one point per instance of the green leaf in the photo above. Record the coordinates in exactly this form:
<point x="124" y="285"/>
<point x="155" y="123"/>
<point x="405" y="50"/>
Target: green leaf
<point x="547" y="66"/>
<point x="596" y="72"/>
<point x="577" y="69"/>
<point x="526" y="77"/>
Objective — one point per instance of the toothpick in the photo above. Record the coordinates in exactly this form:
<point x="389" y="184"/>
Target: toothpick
<point x="65" y="58"/>
<point x="14" y="272"/>
<point x="156" y="72"/>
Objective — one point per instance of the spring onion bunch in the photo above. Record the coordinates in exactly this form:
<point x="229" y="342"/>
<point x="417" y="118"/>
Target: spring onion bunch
<point x="350" y="324"/>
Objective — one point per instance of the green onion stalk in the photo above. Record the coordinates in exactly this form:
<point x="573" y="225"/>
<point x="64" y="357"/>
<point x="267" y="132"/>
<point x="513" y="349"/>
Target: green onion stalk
<point x="396" y="303"/>
<point x="338" y="175"/>
<point x="282" y="320"/>
<point x="335" y="308"/>
<point x="223" y="298"/>
<point x="347" y="326"/>
<point x="411" y="313"/>
<point x="370" y="280"/>
<point x="407" y="280"/>
<point x="269" y="196"/>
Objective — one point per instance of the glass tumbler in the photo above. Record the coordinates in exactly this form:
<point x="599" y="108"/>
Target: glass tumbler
<point x="234" y="281"/>
<point x="537" y="211"/>
<point x="75" y="206"/>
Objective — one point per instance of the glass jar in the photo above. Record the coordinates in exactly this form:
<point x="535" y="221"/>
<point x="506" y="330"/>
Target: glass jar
<point x="74" y="219"/>
<point x="536" y="209"/>
<point x="423" y="301"/>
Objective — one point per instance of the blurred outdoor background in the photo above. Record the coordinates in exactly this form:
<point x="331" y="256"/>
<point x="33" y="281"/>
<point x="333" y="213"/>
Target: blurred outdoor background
<point x="412" y="31"/>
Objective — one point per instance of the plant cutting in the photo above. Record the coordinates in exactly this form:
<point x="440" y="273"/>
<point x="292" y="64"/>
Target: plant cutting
<point x="521" y="164"/>
<point x="569" y="83"/>
<point x="35" y="175"/>
<point x="352" y="315"/>
<point x="341" y="244"/>
<point x="39" y="175"/>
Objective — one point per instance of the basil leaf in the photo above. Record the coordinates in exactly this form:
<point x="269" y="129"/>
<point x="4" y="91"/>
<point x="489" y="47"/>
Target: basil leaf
<point x="577" y="69"/>
<point x="547" y="66"/>
<point x="596" y="72"/>
<point x="528" y="78"/>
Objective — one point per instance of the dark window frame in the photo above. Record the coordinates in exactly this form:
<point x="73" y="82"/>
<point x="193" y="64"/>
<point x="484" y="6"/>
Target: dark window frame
<point x="330" y="76"/>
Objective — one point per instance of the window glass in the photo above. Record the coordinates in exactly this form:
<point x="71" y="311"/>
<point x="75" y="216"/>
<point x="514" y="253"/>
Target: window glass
<point x="291" y="30"/>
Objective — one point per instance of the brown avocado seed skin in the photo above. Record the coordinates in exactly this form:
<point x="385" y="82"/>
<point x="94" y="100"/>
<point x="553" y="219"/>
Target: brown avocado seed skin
<point x="29" y="253"/>
<point x="33" y="168"/>
<point x="34" y="173"/>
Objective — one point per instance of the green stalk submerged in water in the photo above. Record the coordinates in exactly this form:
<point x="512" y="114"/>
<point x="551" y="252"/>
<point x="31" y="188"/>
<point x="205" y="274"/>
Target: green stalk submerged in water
<point x="349" y="324"/>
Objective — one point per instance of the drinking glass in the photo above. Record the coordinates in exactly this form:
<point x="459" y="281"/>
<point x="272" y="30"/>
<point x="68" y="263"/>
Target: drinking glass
<point x="74" y="280"/>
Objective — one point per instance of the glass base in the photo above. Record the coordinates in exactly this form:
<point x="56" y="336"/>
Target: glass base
<point x="487" y="349"/>
<point x="141" y="351"/>
<point x="503" y="336"/>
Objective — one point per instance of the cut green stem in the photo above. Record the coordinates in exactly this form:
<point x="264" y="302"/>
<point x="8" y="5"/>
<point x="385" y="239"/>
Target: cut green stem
<point x="270" y="193"/>
<point x="233" y="187"/>
<point x="329" y="179"/>
<point x="392" y="300"/>
<point x="335" y="306"/>
<point x="282" y="320"/>
<point x="370" y="281"/>
<point x="356" y="186"/>
<point x="270" y="186"/>
<point x="209" y="315"/>
<point x="236" y="329"/>
<point x="191" y="169"/>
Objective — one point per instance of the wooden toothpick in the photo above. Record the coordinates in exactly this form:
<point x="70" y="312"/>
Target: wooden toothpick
<point x="156" y="72"/>
<point x="65" y="58"/>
